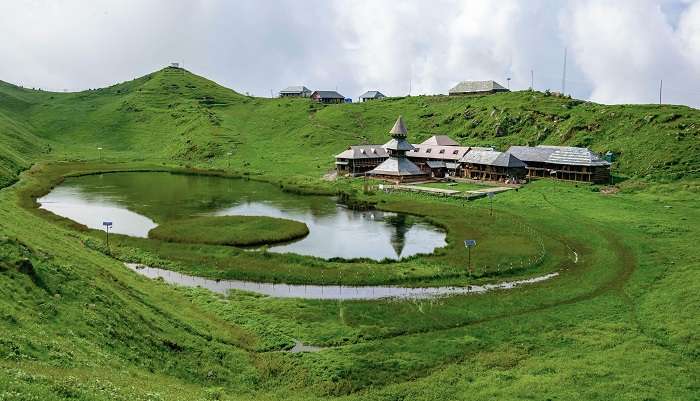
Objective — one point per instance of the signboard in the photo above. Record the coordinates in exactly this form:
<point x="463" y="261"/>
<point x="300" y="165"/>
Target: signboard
<point x="107" y="223"/>
<point x="469" y="243"/>
<point x="490" y="195"/>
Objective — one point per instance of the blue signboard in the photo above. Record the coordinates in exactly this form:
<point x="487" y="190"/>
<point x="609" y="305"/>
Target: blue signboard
<point x="469" y="243"/>
<point x="107" y="223"/>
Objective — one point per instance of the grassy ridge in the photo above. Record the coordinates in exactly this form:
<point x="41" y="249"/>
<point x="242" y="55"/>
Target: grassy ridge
<point x="230" y="230"/>
<point x="618" y="324"/>
<point x="173" y="114"/>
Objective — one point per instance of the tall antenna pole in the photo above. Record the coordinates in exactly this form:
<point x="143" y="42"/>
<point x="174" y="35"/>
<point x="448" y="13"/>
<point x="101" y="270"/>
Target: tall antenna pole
<point x="661" y="87"/>
<point x="563" y="75"/>
<point x="532" y="80"/>
<point x="409" y="87"/>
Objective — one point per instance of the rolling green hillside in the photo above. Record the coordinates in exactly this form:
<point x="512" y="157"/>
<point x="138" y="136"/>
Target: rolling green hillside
<point x="173" y="114"/>
<point x="619" y="323"/>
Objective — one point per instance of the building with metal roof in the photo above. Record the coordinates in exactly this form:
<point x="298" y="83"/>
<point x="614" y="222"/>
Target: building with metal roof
<point x="295" y="91"/>
<point x="440" y="140"/>
<point x="563" y="162"/>
<point x="327" y="97"/>
<point x="477" y="88"/>
<point x="492" y="165"/>
<point x="371" y="95"/>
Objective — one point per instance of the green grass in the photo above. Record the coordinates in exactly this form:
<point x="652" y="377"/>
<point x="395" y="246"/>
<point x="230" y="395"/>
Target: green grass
<point x="618" y="324"/>
<point x="230" y="230"/>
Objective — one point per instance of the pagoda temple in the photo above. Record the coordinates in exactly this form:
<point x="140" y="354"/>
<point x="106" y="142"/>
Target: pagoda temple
<point x="397" y="167"/>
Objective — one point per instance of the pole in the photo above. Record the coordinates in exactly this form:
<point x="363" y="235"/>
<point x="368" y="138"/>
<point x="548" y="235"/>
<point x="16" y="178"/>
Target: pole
<point x="661" y="87"/>
<point x="532" y="79"/>
<point x="563" y="75"/>
<point x="491" y="203"/>
<point x="108" y="250"/>
<point x="469" y="260"/>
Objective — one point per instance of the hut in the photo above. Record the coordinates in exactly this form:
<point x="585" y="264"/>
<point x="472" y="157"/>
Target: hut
<point x="398" y="168"/>
<point x="371" y="95"/>
<point x="327" y="97"/>
<point x="491" y="165"/>
<point x="563" y="163"/>
<point x="477" y="88"/>
<point x="295" y="91"/>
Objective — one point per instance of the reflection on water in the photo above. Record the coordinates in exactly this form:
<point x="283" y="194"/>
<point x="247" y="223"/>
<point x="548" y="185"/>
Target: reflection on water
<point x="327" y="292"/>
<point x="135" y="202"/>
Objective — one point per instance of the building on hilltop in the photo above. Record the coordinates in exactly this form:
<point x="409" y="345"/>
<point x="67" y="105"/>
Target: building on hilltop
<point x="295" y="91"/>
<point x="371" y="95"/>
<point x="477" y="88"/>
<point x="397" y="167"/>
<point x="563" y="162"/>
<point x="327" y="97"/>
<point x="480" y="164"/>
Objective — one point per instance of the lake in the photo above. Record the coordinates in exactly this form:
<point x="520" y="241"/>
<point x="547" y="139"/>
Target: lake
<point x="136" y="202"/>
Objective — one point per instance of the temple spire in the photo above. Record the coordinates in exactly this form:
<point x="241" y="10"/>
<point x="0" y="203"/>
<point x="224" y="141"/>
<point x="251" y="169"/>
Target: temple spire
<point x="399" y="130"/>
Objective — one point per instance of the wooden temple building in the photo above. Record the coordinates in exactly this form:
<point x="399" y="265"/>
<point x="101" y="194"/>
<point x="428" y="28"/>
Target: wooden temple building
<point x="440" y="156"/>
<point x="563" y="162"/>
<point x="397" y="167"/>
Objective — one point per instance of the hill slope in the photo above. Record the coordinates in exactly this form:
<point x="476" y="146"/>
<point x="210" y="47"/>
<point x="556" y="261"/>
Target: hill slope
<point x="173" y="114"/>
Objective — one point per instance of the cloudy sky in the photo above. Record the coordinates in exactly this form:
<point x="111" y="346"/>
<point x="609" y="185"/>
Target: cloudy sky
<point x="617" y="50"/>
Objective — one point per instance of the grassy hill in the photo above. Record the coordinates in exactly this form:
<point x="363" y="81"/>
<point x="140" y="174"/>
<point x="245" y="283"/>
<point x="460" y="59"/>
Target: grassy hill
<point x="620" y="323"/>
<point x="173" y="114"/>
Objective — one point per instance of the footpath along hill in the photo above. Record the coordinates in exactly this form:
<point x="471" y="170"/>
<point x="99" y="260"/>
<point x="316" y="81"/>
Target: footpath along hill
<point x="173" y="114"/>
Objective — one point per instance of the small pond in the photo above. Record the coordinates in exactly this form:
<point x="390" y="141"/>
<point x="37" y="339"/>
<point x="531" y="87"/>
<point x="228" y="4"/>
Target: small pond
<point x="136" y="202"/>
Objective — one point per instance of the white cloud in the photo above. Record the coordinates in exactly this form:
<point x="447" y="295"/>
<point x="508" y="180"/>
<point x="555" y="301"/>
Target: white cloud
<point x="617" y="50"/>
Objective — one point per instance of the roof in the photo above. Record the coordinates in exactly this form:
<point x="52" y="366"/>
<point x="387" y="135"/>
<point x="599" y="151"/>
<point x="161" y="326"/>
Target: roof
<point x="477" y="86"/>
<point x="435" y="163"/>
<point x="438" y="152"/>
<point x="399" y="128"/>
<point x="295" y="89"/>
<point x="492" y="158"/>
<point x="363" y="152"/>
<point x="397" y="166"/>
<point x="441" y="140"/>
<point x="329" y="95"/>
<point x="564" y="155"/>
<point x="399" y="144"/>
<point x="372" y="95"/>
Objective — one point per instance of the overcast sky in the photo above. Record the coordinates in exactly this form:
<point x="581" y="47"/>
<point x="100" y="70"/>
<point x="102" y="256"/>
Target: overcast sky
<point x="617" y="50"/>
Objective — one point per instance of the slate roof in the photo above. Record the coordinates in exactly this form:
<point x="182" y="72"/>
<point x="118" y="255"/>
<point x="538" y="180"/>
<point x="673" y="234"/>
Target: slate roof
<point x="329" y="95"/>
<point x="295" y="89"/>
<point x="372" y="95"/>
<point x="492" y="158"/>
<point x="477" y="87"/>
<point x="363" y="152"/>
<point x="563" y="155"/>
<point x="397" y="167"/>
<point x="438" y="152"/>
<point x="440" y="140"/>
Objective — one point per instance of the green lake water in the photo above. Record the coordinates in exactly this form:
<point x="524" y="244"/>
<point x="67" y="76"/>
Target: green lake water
<point x="136" y="202"/>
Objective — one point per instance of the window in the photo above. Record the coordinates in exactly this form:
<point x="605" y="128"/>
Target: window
<point x="442" y="151"/>
<point x="416" y="149"/>
<point x="428" y="150"/>
<point x="454" y="152"/>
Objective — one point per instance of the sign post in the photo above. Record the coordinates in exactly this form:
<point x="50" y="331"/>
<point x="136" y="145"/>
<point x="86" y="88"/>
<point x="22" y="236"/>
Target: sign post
<point x="469" y="244"/>
<point x="490" y="195"/>
<point x="107" y="225"/>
